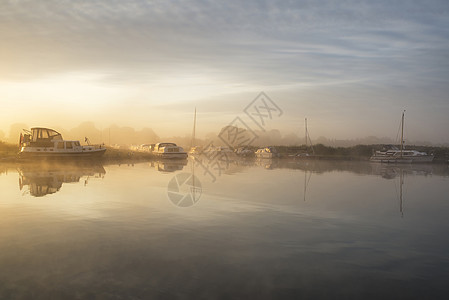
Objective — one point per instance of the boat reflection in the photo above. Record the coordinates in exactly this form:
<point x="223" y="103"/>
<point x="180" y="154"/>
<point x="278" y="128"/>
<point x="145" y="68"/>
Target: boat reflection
<point x="267" y="163"/>
<point x="393" y="171"/>
<point x="169" y="165"/>
<point x="39" y="180"/>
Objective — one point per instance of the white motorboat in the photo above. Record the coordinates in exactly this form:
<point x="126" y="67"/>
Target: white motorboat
<point x="48" y="143"/>
<point x="169" y="150"/>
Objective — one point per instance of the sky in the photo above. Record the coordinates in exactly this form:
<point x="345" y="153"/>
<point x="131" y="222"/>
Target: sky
<point x="350" y="67"/>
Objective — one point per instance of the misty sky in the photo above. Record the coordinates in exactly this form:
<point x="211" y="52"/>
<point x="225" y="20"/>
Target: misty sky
<point x="351" y="67"/>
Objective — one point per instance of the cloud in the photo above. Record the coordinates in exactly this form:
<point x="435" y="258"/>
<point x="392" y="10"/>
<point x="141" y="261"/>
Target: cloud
<point x="271" y="42"/>
<point x="199" y="51"/>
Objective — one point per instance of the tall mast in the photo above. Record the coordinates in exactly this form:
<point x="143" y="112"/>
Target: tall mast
<point x="402" y="132"/>
<point x="307" y="136"/>
<point x="306" y="133"/>
<point x="194" y="129"/>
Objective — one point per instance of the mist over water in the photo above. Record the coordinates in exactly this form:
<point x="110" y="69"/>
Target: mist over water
<point x="126" y="136"/>
<point x="264" y="228"/>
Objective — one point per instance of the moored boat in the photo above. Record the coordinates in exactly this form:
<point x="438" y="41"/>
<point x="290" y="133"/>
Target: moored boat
<point x="43" y="143"/>
<point x="267" y="152"/>
<point x="393" y="154"/>
<point x="169" y="150"/>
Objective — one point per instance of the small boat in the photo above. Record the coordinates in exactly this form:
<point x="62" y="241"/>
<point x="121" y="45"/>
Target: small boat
<point x="393" y="154"/>
<point x="48" y="143"/>
<point x="169" y="150"/>
<point x="267" y="152"/>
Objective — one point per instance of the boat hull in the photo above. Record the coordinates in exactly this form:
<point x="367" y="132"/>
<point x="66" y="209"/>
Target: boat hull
<point x="390" y="160"/>
<point x="61" y="155"/>
<point x="412" y="159"/>
<point x="171" y="155"/>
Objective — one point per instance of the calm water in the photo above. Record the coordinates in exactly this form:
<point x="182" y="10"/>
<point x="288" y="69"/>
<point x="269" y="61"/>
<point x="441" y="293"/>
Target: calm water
<point x="251" y="230"/>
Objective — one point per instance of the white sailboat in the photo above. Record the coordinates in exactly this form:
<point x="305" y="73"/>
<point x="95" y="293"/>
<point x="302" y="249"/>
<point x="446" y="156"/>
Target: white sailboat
<point x="392" y="154"/>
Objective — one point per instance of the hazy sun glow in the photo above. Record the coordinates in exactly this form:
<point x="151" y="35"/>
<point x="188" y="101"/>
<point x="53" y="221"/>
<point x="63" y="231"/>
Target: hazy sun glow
<point x="149" y="64"/>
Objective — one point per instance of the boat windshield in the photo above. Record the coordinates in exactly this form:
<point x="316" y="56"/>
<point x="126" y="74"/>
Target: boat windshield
<point x="45" y="134"/>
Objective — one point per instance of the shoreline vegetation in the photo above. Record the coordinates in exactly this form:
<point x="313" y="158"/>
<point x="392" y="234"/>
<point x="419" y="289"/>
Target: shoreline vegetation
<point x="8" y="152"/>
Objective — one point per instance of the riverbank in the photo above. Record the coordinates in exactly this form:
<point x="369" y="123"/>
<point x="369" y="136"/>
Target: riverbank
<point x="8" y="152"/>
<point x="359" y="152"/>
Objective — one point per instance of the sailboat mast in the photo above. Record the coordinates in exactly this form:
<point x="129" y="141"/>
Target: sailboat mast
<point x="402" y="133"/>
<point x="306" y="134"/>
<point x="194" y="129"/>
<point x="308" y="139"/>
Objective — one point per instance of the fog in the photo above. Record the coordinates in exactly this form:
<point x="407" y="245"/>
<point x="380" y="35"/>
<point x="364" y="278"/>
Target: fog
<point x="126" y="136"/>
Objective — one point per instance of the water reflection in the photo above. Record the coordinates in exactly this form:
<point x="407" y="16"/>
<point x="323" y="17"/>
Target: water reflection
<point x="387" y="171"/>
<point x="393" y="171"/>
<point x="43" y="179"/>
<point x="267" y="163"/>
<point x="398" y="174"/>
<point x="301" y="229"/>
<point x="169" y="165"/>
<point x="307" y="176"/>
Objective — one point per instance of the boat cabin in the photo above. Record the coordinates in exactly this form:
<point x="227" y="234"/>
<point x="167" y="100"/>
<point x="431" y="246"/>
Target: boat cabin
<point x="40" y="137"/>
<point x="166" y="147"/>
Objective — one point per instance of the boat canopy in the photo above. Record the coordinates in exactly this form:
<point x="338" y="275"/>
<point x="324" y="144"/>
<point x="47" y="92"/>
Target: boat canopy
<point x="39" y="134"/>
<point x="163" y="145"/>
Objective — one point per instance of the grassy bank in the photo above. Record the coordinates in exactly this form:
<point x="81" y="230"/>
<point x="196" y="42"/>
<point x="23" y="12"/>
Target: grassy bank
<point x="113" y="155"/>
<point x="359" y="152"/>
<point x="9" y="152"/>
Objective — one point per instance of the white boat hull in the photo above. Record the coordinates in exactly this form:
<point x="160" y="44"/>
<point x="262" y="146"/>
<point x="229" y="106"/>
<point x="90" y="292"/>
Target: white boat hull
<point x="55" y="154"/>
<point x="404" y="159"/>
<point x="391" y="160"/>
<point x="170" y="155"/>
